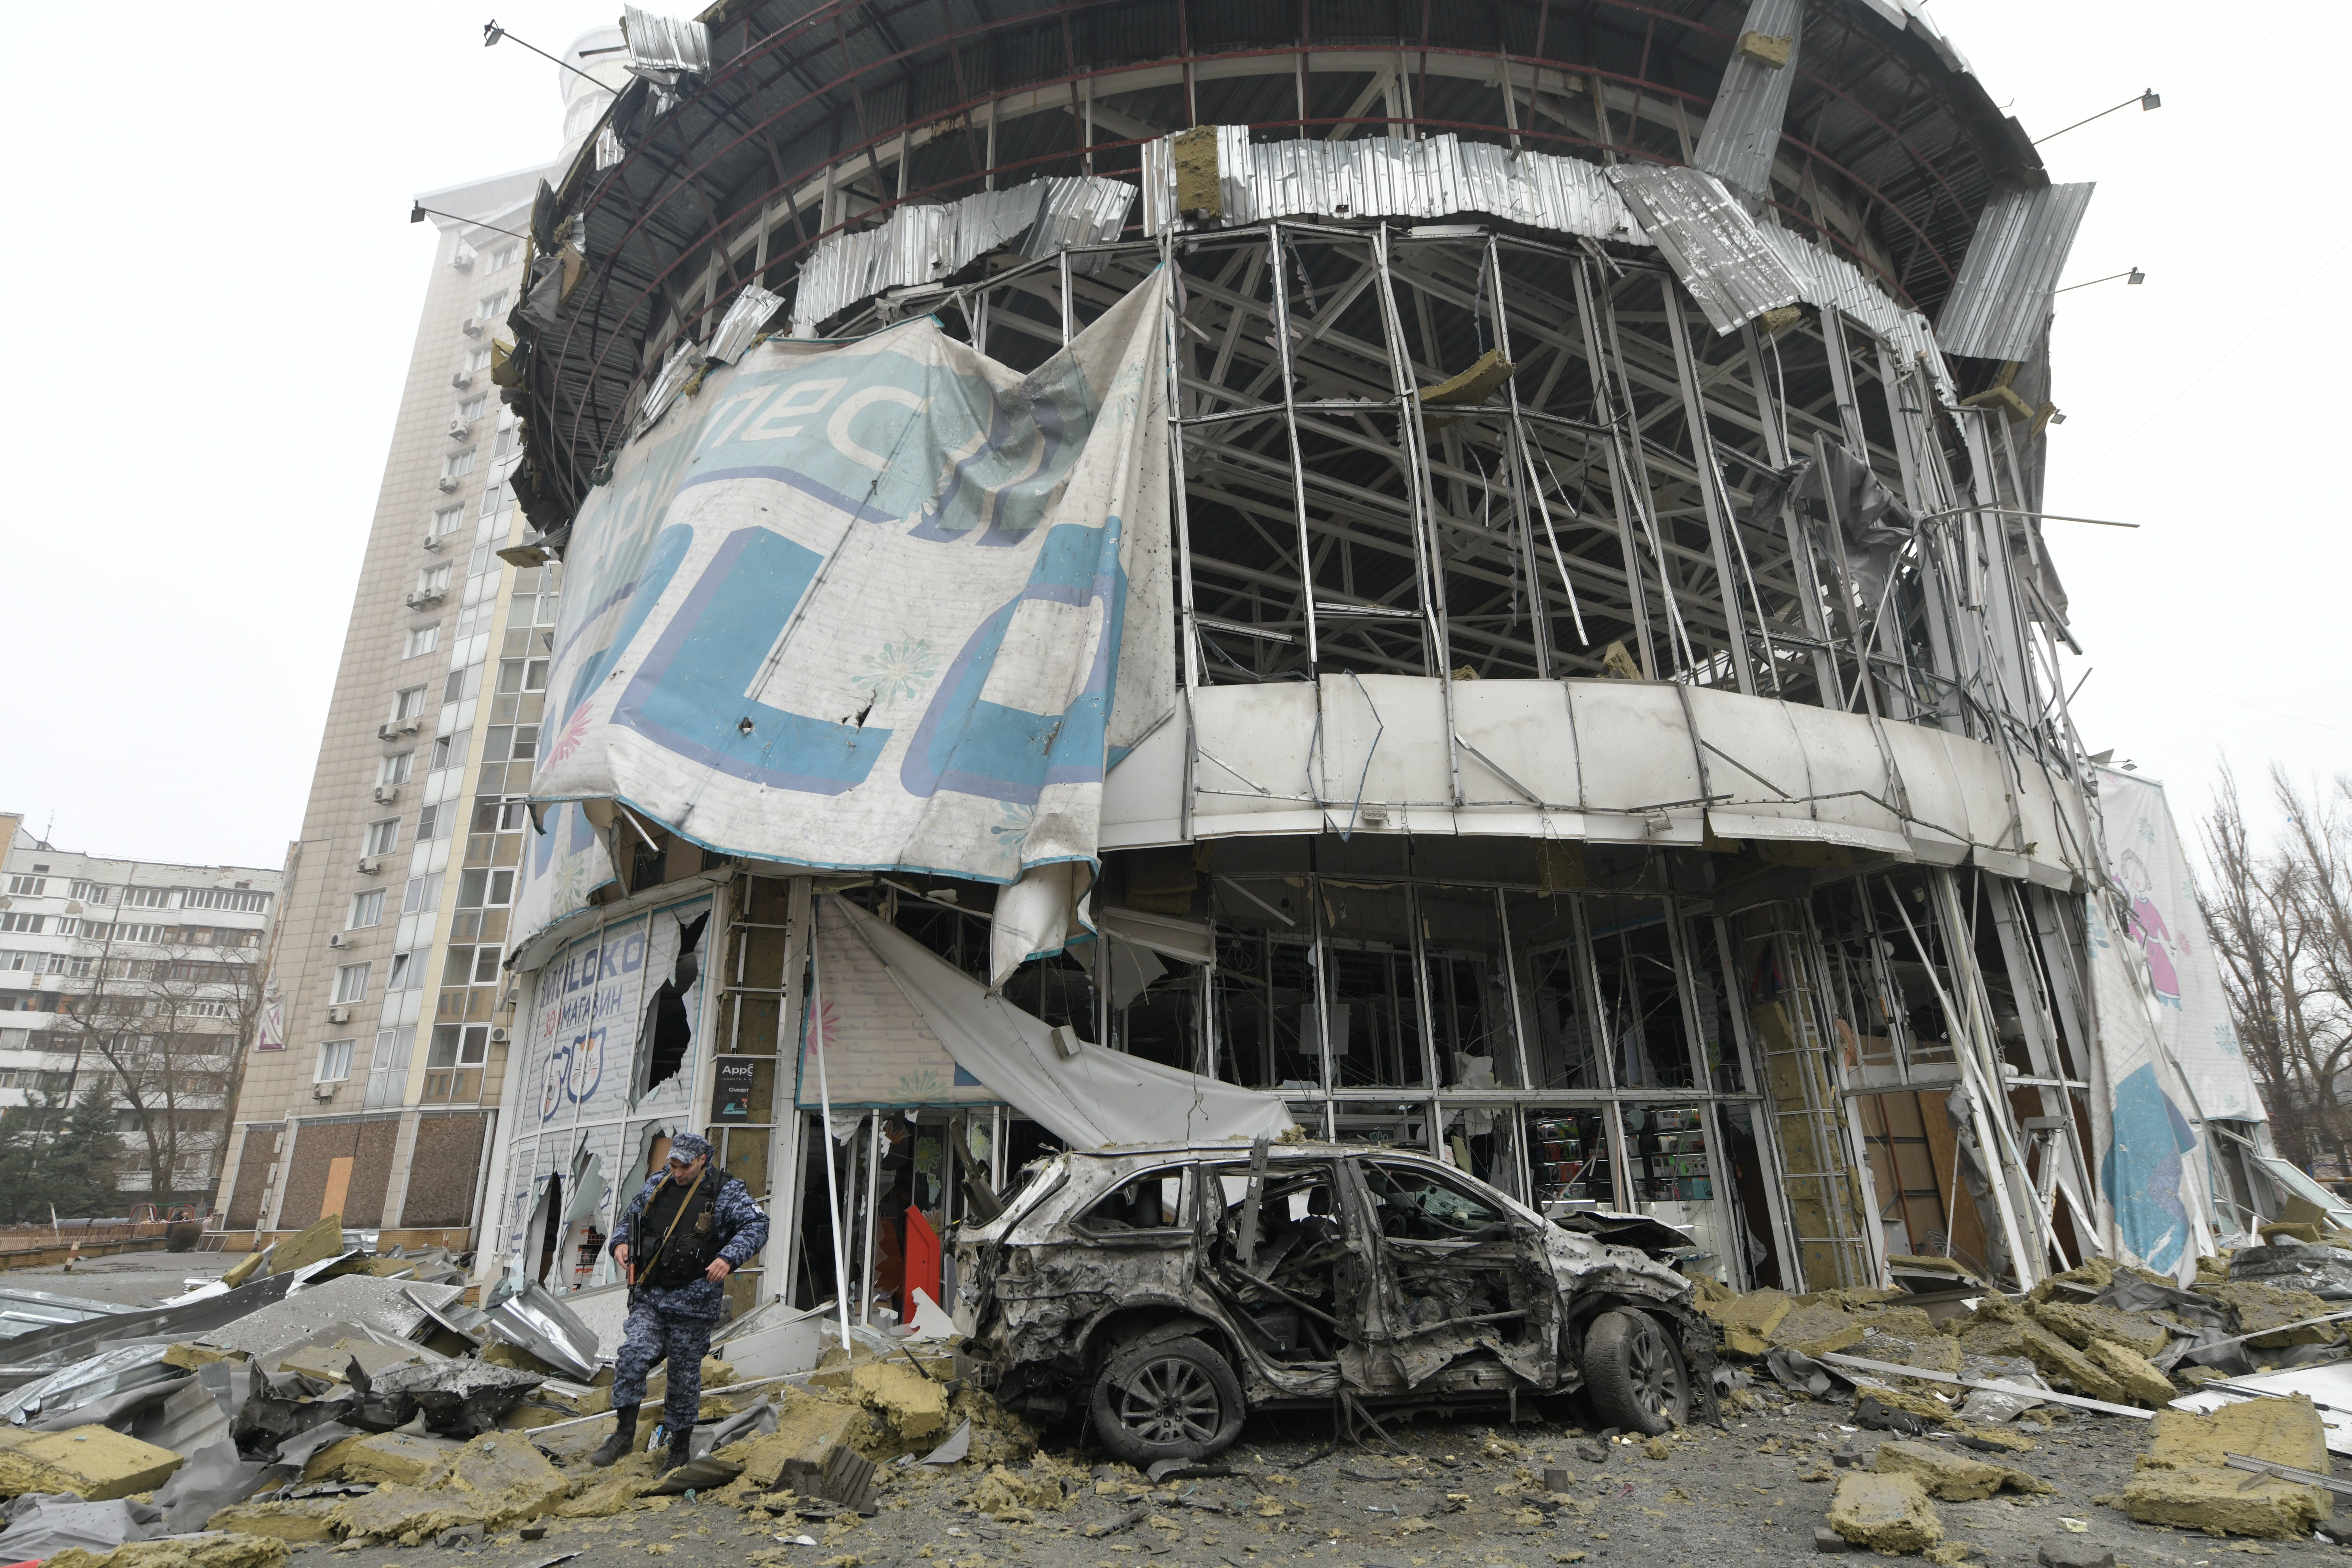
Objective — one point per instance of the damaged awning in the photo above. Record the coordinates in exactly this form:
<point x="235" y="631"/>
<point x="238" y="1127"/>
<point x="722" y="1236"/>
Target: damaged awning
<point x="1086" y="1096"/>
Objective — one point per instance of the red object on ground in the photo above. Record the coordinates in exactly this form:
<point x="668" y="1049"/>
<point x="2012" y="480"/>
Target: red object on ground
<point x="922" y="1262"/>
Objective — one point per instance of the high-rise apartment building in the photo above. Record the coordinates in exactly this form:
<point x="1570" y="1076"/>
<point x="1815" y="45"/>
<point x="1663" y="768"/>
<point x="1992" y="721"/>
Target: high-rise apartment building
<point x="372" y="1089"/>
<point x="138" y="979"/>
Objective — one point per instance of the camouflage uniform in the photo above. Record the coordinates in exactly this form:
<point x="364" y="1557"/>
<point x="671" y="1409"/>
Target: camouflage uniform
<point x="674" y="1321"/>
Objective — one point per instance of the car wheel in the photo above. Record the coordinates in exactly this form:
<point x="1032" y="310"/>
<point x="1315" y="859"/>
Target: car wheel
<point x="1635" y="1372"/>
<point x="1175" y="1400"/>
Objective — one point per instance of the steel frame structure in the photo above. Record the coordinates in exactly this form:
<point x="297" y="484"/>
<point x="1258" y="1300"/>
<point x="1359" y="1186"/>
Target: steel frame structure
<point x="1624" y="501"/>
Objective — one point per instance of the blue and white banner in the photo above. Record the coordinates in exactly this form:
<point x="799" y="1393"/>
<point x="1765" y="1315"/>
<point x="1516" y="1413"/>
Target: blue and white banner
<point x="879" y="604"/>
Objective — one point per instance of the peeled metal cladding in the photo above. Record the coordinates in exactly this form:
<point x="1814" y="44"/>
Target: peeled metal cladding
<point x="532" y="1319"/>
<point x="2000" y="302"/>
<point x="1713" y="247"/>
<point x="664" y="49"/>
<point x="923" y="243"/>
<point x="1743" y="125"/>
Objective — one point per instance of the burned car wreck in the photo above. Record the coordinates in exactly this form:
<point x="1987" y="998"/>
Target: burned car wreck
<point x="1169" y="1291"/>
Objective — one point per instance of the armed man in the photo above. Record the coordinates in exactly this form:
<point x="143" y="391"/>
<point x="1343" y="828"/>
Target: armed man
<point x="688" y="1229"/>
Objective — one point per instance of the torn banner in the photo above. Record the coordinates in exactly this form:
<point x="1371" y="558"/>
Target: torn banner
<point x="902" y="1026"/>
<point x="881" y="605"/>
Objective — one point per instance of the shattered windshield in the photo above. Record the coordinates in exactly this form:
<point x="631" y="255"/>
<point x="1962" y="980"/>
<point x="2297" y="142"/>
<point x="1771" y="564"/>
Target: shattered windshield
<point x="1414" y="1205"/>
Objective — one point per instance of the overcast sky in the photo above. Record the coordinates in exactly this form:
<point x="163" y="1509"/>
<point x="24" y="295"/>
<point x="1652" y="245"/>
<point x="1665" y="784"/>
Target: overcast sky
<point x="214" y="325"/>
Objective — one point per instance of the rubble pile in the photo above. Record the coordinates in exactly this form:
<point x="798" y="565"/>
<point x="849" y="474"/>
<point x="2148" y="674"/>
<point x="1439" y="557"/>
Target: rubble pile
<point x="321" y="1394"/>
<point x="1953" y="1368"/>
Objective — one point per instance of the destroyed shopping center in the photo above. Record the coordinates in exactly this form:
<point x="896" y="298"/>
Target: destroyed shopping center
<point x="1464" y="577"/>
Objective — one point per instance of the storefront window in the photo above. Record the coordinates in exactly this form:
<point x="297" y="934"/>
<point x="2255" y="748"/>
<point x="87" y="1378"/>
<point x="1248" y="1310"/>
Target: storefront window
<point x="1670" y="1159"/>
<point x="1569" y="1161"/>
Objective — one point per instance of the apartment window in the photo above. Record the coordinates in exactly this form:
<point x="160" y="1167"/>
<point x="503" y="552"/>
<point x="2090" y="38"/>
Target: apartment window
<point x="448" y="520"/>
<point x="493" y="304"/>
<point x="455" y="1046"/>
<point x="335" y="1061"/>
<point x="91" y="931"/>
<point x="422" y="640"/>
<point x="508" y="444"/>
<point x="407" y="971"/>
<point x="522" y="675"/>
<point x="92" y="893"/>
<point x="457" y="464"/>
<point x="351" y="982"/>
<point x="481" y="889"/>
<point x="494" y="500"/>
<point x="146" y="933"/>
<point x="146" y="898"/>
<point x="367" y="909"/>
<point x="407" y="702"/>
<point x="478" y="359"/>
<point x="31" y="925"/>
<point x="449" y="752"/>
<point x="397" y="768"/>
<point x="383" y="837"/>
<point x="500" y="259"/>
<point x="435" y="822"/>
<point x="421" y="894"/>
<point x="486" y="965"/>
<point x="473" y="408"/>
<point x="28" y="887"/>
<point x="435" y="579"/>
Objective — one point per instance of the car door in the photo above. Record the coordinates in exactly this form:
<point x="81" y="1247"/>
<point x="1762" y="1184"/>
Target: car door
<point x="1466" y="1287"/>
<point x="1288" y="1257"/>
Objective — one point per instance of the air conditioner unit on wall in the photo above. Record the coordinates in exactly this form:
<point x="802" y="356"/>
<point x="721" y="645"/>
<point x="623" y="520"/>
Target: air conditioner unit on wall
<point x="337" y="938"/>
<point x="462" y="379"/>
<point x="338" y="1014"/>
<point x="448" y="483"/>
<point x="370" y="866"/>
<point x="471" y="326"/>
<point x="500" y="1037"/>
<point x="322" y="1091"/>
<point x="432" y="542"/>
<point x="459" y="429"/>
<point x="386" y="794"/>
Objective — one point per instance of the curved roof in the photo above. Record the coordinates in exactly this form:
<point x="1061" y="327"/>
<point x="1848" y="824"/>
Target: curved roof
<point x="1889" y="151"/>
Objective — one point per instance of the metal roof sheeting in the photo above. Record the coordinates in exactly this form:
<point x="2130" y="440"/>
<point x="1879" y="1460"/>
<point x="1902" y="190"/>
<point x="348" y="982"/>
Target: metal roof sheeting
<point x="664" y="48"/>
<point x="1743" y="129"/>
<point x="924" y="243"/>
<point x="1707" y="237"/>
<point x="1825" y="280"/>
<point x="744" y="319"/>
<point x="2001" y="301"/>
<point x="1385" y="176"/>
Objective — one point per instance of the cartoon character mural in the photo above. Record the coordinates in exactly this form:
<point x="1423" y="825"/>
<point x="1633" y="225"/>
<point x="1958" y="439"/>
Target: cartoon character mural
<point x="2166" y="949"/>
<point x="2141" y="1172"/>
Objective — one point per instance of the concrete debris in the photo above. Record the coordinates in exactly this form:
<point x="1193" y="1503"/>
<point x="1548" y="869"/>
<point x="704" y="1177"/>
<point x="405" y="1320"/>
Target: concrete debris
<point x="2185" y="1480"/>
<point x="1889" y="1513"/>
<point x="210" y="1550"/>
<point x="2262" y="1308"/>
<point x="2132" y="1373"/>
<point x="332" y="1362"/>
<point x="462" y="1398"/>
<point x="1953" y="1477"/>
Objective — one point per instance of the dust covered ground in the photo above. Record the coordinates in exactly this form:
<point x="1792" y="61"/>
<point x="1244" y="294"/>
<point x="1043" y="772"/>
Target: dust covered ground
<point x="1451" y="1492"/>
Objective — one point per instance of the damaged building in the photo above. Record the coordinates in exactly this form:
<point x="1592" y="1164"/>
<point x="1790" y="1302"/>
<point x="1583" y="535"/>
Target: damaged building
<point x="1468" y="578"/>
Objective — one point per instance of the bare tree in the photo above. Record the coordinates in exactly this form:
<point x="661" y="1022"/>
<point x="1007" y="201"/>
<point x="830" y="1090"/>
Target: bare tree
<point x="167" y="1021"/>
<point x="2282" y="923"/>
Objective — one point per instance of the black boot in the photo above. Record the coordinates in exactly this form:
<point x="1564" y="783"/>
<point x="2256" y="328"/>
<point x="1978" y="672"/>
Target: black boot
<point x="621" y="1444"/>
<point x="681" y="1450"/>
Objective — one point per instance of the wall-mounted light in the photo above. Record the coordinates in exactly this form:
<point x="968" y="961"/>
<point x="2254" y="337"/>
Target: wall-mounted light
<point x="2148" y="99"/>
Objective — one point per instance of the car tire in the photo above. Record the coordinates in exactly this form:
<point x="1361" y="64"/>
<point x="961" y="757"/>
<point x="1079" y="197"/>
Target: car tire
<point x="1174" y="1400"/>
<point x="1635" y="1374"/>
